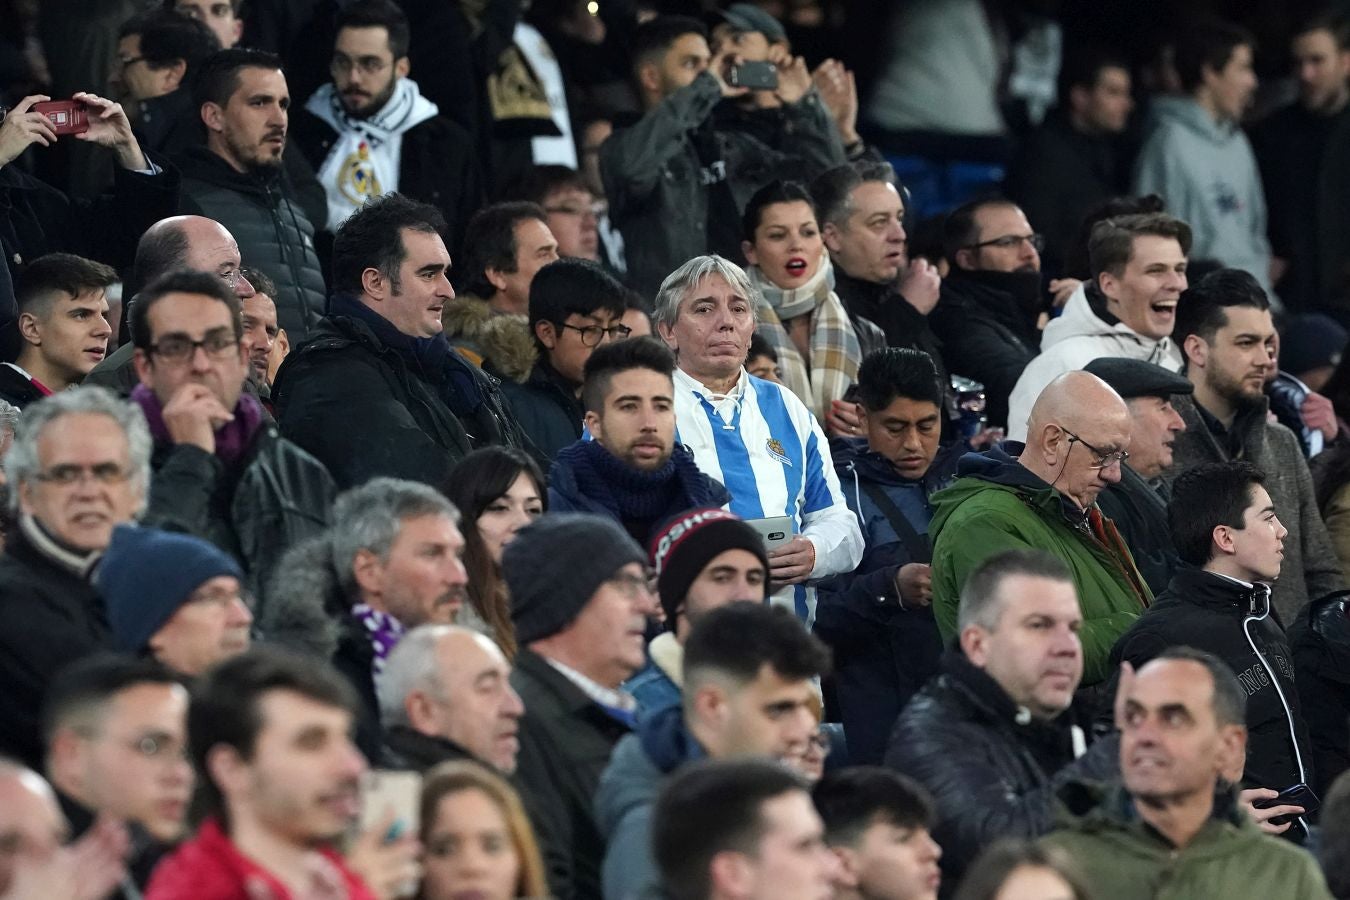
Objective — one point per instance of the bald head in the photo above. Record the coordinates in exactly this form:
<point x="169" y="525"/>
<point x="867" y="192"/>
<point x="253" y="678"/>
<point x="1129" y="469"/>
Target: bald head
<point x="189" y="242"/>
<point x="1077" y="430"/>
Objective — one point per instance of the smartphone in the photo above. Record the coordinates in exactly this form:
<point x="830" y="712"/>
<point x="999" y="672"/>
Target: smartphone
<point x="1298" y="795"/>
<point x="758" y="76"/>
<point x="776" y="530"/>
<point x="384" y="790"/>
<point x="66" y="116"/>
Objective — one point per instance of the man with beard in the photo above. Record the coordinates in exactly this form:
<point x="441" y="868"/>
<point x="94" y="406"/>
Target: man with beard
<point x="632" y="469"/>
<point x="1225" y="328"/>
<point x="1302" y="152"/>
<point x="1127" y="309"/>
<point x="370" y="130"/>
<point x="280" y="777"/>
<point x="1172" y="828"/>
<point x="236" y="178"/>
<point x="261" y="329"/>
<point x="986" y="317"/>
<point x="748" y="672"/>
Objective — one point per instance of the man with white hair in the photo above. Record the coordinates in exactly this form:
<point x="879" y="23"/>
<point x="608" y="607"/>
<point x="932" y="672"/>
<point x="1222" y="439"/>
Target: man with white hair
<point x="752" y="435"/>
<point x="79" y="467"/>
<point x="446" y="694"/>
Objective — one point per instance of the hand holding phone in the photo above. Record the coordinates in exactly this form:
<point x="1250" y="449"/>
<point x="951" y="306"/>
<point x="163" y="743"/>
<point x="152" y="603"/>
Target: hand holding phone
<point x="66" y="116"/>
<point x="1299" y="795"/>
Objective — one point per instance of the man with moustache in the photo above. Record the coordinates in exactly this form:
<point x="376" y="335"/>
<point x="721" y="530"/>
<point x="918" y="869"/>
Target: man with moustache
<point x="370" y="130"/>
<point x="1127" y="309"/>
<point x="631" y="469"/>
<point x="270" y="740"/>
<point x="1172" y="828"/>
<point x="1224" y="326"/>
<point x="989" y="737"/>
<point x="986" y="317"/>
<point x="115" y="729"/>
<point x="261" y="329"/>
<point x="237" y="178"/>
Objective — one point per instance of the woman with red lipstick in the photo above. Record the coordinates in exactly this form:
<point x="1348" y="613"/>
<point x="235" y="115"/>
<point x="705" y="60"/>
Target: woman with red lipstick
<point x="479" y="843"/>
<point x="799" y="313"/>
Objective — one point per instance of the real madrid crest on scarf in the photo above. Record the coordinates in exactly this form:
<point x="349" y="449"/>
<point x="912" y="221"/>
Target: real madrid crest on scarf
<point x="775" y="448"/>
<point x="356" y="178"/>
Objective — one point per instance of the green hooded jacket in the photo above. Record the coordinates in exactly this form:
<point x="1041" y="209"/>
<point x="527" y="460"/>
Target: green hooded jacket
<point x="1121" y="857"/>
<point x="998" y="505"/>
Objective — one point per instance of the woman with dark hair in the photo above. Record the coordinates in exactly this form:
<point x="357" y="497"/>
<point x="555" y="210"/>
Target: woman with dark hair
<point x="1021" y="870"/>
<point x="498" y="491"/>
<point x="798" y="313"/>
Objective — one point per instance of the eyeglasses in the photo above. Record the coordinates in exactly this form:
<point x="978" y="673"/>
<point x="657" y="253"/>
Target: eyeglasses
<point x="366" y="65"/>
<point x="103" y="473"/>
<point x="218" y="345"/>
<point x="592" y="334"/>
<point x="631" y="586"/>
<point x="1013" y="241"/>
<point x="1105" y="459"/>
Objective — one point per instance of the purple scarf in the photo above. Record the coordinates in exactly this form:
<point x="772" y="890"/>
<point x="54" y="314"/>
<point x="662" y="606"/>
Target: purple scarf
<point x="232" y="438"/>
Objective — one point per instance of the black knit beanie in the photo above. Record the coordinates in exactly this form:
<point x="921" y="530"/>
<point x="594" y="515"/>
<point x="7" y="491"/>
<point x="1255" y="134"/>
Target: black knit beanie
<point x="688" y="542"/>
<point x="555" y="565"/>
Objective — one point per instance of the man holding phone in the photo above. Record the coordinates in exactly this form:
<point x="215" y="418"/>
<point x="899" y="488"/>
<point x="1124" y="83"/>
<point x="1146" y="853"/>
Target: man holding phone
<point x="1172" y="829"/>
<point x="678" y="178"/>
<point x="1224" y="527"/>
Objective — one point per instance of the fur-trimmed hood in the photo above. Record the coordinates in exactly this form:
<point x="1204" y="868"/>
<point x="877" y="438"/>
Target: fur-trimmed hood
<point x="491" y="340"/>
<point x="305" y="605"/>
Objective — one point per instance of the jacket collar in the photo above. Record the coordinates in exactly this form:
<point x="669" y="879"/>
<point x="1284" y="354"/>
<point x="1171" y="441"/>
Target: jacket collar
<point x="1210" y="590"/>
<point x="75" y="562"/>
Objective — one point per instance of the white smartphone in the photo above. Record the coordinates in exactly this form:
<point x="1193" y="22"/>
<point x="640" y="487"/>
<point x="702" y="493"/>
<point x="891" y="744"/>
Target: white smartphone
<point x="385" y="790"/>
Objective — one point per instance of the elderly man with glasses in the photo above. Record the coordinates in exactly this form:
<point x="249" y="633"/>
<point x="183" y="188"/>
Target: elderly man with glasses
<point x="80" y="466"/>
<point x="1042" y="496"/>
<point x="222" y="472"/>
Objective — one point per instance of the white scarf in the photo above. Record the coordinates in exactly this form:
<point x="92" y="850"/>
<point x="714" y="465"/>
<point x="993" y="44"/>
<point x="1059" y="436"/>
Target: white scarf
<point x="364" y="160"/>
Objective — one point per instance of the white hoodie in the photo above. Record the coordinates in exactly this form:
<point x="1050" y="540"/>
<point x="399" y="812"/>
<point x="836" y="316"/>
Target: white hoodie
<point x="1072" y="341"/>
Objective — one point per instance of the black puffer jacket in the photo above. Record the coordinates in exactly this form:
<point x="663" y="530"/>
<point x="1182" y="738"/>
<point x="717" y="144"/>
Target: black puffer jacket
<point x="991" y="774"/>
<point x="352" y="402"/>
<point x="548" y="410"/>
<point x="1320" y="641"/>
<point x="55" y="618"/>
<point x="273" y="232"/>
<point x="1206" y="611"/>
<point x="277" y="496"/>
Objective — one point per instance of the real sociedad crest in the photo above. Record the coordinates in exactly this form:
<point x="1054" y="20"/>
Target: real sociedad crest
<point x="775" y="448"/>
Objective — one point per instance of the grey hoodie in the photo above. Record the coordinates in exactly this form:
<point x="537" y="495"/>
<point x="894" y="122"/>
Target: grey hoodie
<point x="1207" y="173"/>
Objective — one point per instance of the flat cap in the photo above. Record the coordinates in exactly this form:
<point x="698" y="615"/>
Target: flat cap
<point x="1136" y="378"/>
<point x="748" y="17"/>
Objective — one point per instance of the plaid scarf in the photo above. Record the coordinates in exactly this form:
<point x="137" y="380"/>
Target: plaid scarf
<point x="835" y="352"/>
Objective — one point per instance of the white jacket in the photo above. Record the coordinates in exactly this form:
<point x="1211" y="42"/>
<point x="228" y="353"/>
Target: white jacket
<point x="1072" y="341"/>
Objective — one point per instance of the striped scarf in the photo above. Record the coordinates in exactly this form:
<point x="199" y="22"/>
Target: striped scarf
<point x="835" y="352"/>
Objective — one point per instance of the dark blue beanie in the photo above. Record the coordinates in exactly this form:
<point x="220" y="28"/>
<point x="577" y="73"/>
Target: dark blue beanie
<point x="147" y="574"/>
<point x="555" y="565"/>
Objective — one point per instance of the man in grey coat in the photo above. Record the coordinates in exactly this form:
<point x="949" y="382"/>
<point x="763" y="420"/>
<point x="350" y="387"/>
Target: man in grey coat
<point x="1226" y="332"/>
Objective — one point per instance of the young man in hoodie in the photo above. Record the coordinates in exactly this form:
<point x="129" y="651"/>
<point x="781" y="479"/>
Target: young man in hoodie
<point x="748" y="671"/>
<point x="1128" y="308"/>
<point x="878" y="617"/>
<point x="370" y="131"/>
<point x="1199" y="158"/>
<point x="632" y="470"/>
<point x="1225" y="528"/>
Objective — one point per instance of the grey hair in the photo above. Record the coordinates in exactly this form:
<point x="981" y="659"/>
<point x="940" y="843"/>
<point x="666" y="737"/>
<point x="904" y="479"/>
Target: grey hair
<point x="410" y="666"/>
<point x="371" y="516"/>
<point x="9" y="418"/>
<point x="23" y="462"/>
<point x="981" y="603"/>
<point x="679" y="283"/>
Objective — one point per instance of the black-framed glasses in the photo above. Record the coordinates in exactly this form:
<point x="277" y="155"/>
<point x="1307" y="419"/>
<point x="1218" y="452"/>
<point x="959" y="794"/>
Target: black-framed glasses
<point x="591" y="335"/>
<point x="177" y="348"/>
<point x="67" y="474"/>
<point x="1105" y="458"/>
<point x="1012" y="242"/>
